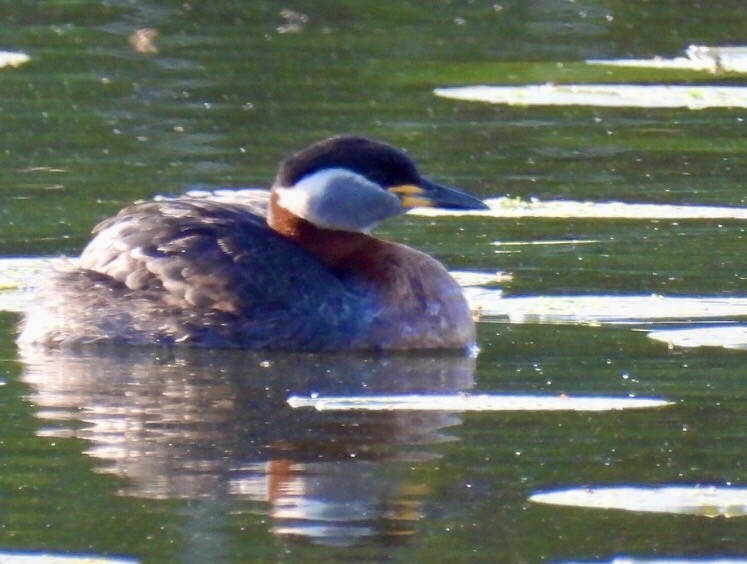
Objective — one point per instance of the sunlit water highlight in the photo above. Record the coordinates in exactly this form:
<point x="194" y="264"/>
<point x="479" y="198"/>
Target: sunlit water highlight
<point x="51" y="558"/>
<point x="516" y="208"/>
<point x="708" y="501"/>
<point x="607" y="309"/>
<point x="603" y="95"/>
<point x="644" y="560"/>
<point x="19" y="277"/>
<point x="10" y="59"/>
<point x="728" y="336"/>
<point x="699" y="58"/>
<point x="473" y="402"/>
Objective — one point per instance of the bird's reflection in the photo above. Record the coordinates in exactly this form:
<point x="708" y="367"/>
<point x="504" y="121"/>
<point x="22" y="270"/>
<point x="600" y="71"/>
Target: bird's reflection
<point x="215" y="425"/>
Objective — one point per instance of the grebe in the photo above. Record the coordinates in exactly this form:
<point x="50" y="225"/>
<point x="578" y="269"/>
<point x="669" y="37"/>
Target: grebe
<point x="294" y="268"/>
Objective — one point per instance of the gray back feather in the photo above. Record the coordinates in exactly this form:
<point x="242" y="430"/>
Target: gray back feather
<point x="203" y="272"/>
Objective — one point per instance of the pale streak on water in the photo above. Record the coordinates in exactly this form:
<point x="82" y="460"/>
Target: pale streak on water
<point x="518" y="208"/>
<point x="605" y="309"/>
<point x="726" y="336"/>
<point x="699" y="58"/>
<point x="473" y="402"/>
<point x="694" y="97"/>
<point x="685" y="499"/>
<point x="12" y="59"/>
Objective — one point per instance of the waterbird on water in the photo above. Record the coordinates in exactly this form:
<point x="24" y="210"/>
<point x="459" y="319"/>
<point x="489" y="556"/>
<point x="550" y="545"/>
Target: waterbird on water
<point x="294" y="268"/>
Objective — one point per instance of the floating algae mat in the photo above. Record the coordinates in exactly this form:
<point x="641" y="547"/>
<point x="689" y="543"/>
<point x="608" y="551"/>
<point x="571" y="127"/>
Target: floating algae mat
<point x="472" y="402"/>
<point x="694" y="97"/>
<point x="708" y="501"/>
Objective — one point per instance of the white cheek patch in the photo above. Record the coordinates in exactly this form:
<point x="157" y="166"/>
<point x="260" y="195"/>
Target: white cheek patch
<point x="339" y="199"/>
<point x="295" y="201"/>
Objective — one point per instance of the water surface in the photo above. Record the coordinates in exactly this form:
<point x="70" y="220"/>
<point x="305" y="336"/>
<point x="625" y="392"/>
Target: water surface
<point x="196" y="455"/>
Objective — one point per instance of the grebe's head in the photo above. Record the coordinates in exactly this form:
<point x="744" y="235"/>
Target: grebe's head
<point x="350" y="183"/>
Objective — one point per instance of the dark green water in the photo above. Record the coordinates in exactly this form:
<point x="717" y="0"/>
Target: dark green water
<point x="196" y="458"/>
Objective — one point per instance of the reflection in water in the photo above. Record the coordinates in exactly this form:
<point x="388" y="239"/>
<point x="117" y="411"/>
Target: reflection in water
<point x="215" y="425"/>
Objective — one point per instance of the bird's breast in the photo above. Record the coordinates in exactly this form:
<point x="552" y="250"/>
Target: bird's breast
<point x="418" y="304"/>
<point x="412" y="300"/>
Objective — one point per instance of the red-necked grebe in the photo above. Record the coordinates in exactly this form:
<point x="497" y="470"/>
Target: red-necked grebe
<point x="290" y="269"/>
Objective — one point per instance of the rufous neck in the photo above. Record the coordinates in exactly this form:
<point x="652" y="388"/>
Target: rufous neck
<point x="340" y="250"/>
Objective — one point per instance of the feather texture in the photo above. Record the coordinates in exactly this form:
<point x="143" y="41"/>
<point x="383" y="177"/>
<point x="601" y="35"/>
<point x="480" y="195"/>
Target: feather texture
<point x="201" y="272"/>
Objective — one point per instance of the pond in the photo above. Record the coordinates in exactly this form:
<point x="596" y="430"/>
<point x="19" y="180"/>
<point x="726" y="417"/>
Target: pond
<point x="612" y="251"/>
